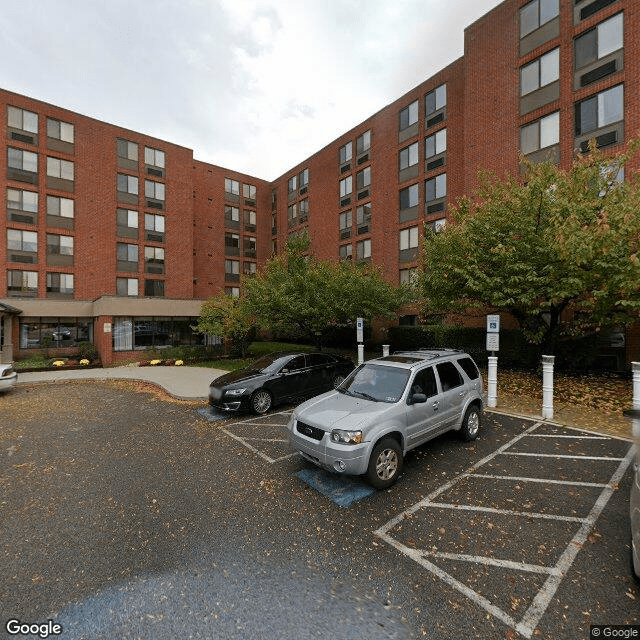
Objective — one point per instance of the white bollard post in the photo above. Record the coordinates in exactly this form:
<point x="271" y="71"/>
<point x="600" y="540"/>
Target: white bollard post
<point x="635" y="368"/>
<point x="360" y="353"/>
<point x="492" y="382"/>
<point x="547" y="387"/>
<point x="385" y="350"/>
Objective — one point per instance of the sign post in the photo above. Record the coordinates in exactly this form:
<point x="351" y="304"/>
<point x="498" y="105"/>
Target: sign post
<point x="493" y="345"/>
<point x="360" y="339"/>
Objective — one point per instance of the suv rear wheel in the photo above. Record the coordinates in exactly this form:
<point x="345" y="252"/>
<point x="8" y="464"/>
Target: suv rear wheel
<point x="471" y="424"/>
<point x="385" y="463"/>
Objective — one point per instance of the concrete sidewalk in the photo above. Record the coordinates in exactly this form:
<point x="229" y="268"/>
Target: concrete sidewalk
<point x="184" y="383"/>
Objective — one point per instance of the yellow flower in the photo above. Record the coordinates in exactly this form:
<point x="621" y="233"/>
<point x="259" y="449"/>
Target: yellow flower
<point x="153" y="363"/>
<point x="179" y="363"/>
<point x="84" y="362"/>
<point x="58" y="363"/>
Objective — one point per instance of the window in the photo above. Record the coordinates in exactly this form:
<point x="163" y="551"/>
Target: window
<point x="59" y="245"/>
<point x="127" y="218"/>
<point x="408" y="276"/>
<point x="292" y="214"/>
<point x="346" y="186"/>
<point x="438" y="225"/>
<point x="127" y="150"/>
<point x="60" y="130"/>
<point x="408" y="116"/>
<point x="363" y="249"/>
<point x="22" y="160"/>
<point x="363" y="142"/>
<point x="408" y="156"/>
<point x="600" y="110"/>
<point x="409" y="197"/>
<point x="435" y="100"/>
<point x="344" y="153"/>
<point x="154" y="190"/>
<point x="154" y="157"/>
<point x="22" y="200"/>
<point x="250" y="219"/>
<point x="436" y="144"/>
<point x="597" y="43"/>
<point x="345" y="251"/>
<point x="436" y="188"/>
<point x="249" y="268"/>
<point x="250" y="247"/>
<point x="345" y="221"/>
<point x="534" y="14"/>
<point x="449" y="375"/>
<point x="127" y="184"/>
<point x="60" y="283"/>
<point x="232" y="244"/>
<point x="234" y="292"/>
<point x="155" y="224"/>
<point x="304" y="178"/>
<point x="154" y="288"/>
<point x="541" y="72"/>
<point x="61" y="207"/>
<point x="469" y="367"/>
<point x="292" y="184"/>
<point x="231" y="214"/>
<point x="232" y="186"/>
<point x="540" y="134"/>
<point x="425" y="382"/>
<point x="127" y="253"/>
<point x="57" y="168"/>
<point x="232" y="267"/>
<point x="26" y="241"/>
<point x="127" y="286"/>
<point x="363" y="178"/>
<point x="363" y="218"/>
<point x="304" y="209"/>
<point x="154" y="259"/>
<point x="249" y="191"/>
<point x="22" y="119"/>
<point x="408" y="238"/>
<point x="22" y="282"/>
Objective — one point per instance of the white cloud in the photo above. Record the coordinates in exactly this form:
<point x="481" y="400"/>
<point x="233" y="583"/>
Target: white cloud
<point x="253" y="85"/>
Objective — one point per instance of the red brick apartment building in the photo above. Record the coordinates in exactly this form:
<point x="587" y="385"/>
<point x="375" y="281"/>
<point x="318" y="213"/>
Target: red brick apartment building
<point x="114" y="237"/>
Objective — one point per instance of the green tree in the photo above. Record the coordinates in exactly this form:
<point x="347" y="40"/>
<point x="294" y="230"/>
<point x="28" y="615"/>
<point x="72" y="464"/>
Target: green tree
<point x="536" y="247"/>
<point x="299" y="293"/>
<point x="229" y="318"/>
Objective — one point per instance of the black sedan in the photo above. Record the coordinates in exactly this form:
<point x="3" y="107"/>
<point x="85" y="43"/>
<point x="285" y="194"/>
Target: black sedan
<point x="278" y="378"/>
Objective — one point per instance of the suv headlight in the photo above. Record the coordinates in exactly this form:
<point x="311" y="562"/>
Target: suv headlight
<point x="346" y="437"/>
<point x="234" y="392"/>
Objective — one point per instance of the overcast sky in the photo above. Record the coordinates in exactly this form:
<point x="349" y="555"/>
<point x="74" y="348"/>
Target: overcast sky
<point x="252" y="85"/>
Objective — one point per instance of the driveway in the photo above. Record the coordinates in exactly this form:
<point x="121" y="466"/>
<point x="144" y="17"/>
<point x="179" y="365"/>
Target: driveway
<point x="125" y="516"/>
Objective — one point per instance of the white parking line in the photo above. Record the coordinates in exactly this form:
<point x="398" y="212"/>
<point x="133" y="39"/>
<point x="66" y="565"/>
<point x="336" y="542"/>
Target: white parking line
<point x="555" y="435"/>
<point x="242" y="441"/>
<point x="270" y="424"/>
<point x="527" y="625"/>
<point x="556" y="455"/>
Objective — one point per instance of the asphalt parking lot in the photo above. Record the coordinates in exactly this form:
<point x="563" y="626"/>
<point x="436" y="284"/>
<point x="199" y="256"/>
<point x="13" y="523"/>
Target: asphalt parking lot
<point x="125" y="516"/>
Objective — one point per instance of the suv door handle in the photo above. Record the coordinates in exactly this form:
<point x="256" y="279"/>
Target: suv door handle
<point x="435" y="405"/>
<point x="462" y="394"/>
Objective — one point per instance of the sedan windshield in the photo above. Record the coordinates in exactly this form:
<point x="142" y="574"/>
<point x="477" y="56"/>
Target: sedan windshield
<point x="376" y="382"/>
<point x="268" y="364"/>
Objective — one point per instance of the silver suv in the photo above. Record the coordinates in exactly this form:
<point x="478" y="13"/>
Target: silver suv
<point x="387" y="407"/>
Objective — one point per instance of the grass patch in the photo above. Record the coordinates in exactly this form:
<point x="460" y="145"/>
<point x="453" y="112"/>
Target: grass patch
<point x="36" y="361"/>
<point x="226" y="364"/>
<point x="259" y="349"/>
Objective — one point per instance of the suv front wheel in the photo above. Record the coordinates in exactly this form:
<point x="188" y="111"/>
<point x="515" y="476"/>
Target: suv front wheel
<point x="385" y="463"/>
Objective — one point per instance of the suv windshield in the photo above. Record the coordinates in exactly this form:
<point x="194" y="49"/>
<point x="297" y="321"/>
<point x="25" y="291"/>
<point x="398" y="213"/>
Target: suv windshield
<point x="376" y="382"/>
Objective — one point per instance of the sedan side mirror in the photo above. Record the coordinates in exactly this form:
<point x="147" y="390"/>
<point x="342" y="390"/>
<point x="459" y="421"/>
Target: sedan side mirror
<point x="418" y="398"/>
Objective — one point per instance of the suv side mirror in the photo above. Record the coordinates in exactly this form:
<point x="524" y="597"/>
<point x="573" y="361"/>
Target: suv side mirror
<point x="285" y="370"/>
<point x="418" y="398"/>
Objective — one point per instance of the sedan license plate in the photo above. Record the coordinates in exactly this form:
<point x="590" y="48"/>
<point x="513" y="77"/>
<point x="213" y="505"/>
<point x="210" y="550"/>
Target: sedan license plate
<point x="216" y="393"/>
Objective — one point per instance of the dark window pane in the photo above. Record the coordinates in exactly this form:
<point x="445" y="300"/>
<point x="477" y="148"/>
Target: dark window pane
<point x="586" y="49"/>
<point x="587" y="116"/>
<point x="450" y="377"/>
<point x="425" y="382"/>
<point x="469" y="367"/>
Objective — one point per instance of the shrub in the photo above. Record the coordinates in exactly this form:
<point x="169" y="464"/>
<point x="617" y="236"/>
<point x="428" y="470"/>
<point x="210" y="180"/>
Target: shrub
<point x="87" y="351"/>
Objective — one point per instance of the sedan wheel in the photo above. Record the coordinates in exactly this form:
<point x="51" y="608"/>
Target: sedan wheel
<point x="385" y="463"/>
<point x="261" y="402"/>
